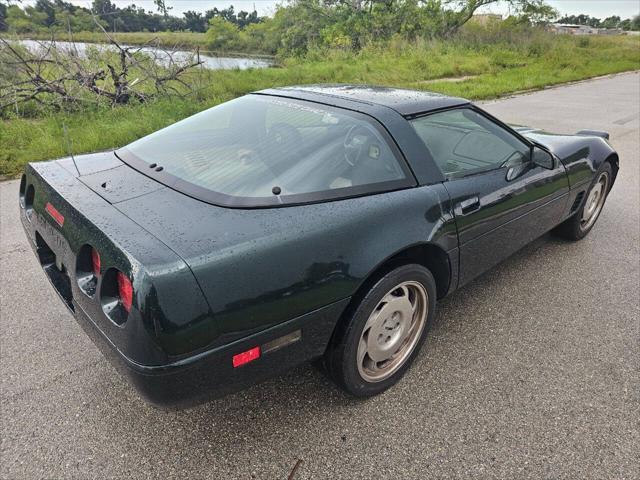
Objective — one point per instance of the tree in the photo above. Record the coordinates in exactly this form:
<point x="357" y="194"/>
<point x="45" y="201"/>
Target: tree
<point x="459" y="12"/>
<point x="229" y="15"/>
<point x="25" y="21"/>
<point x="194" y="21"/>
<point x="538" y="13"/>
<point x="105" y="10"/>
<point x="3" y="17"/>
<point x="162" y="7"/>
<point x="46" y="7"/>
<point x="80" y="20"/>
<point x="354" y="23"/>
<point x="242" y="19"/>
<point x="173" y="24"/>
<point x="581" y="19"/>
<point x="222" y="34"/>
<point x="246" y="18"/>
<point x="209" y="14"/>
<point x="262" y="37"/>
<point x="611" y="22"/>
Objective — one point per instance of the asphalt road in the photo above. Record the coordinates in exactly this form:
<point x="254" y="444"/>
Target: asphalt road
<point x="532" y="371"/>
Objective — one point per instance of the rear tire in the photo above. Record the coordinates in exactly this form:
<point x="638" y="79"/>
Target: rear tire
<point x="580" y="224"/>
<point x="383" y="332"/>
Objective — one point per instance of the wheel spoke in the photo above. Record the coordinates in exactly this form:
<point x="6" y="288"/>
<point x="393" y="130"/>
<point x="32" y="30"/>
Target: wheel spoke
<point x="373" y="317"/>
<point x="362" y="350"/>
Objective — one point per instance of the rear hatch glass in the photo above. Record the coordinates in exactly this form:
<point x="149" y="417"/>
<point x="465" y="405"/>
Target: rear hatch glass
<point x="263" y="150"/>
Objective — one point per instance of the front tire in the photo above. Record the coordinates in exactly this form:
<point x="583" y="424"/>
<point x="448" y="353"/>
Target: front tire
<point x="580" y="224"/>
<point x="383" y="332"/>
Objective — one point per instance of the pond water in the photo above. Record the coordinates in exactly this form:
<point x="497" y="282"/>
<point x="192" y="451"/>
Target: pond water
<point x="161" y="56"/>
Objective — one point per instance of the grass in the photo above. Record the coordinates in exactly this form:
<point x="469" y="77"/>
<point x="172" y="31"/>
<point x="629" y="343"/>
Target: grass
<point x="495" y="69"/>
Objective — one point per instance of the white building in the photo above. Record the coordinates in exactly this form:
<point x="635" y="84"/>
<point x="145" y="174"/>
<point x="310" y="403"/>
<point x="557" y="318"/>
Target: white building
<point x="569" y="29"/>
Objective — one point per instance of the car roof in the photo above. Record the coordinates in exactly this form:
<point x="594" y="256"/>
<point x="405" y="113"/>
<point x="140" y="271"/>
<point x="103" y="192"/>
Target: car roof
<point x="402" y="100"/>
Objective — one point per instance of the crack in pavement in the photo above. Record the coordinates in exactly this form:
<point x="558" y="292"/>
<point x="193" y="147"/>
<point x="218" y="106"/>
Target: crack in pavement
<point x="627" y="119"/>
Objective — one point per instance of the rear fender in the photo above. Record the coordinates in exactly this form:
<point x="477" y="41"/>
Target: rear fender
<point x="166" y="297"/>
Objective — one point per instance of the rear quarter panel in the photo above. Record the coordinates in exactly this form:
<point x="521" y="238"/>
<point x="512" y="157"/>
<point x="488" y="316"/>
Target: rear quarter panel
<point x="164" y="287"/>
<point x="261" y="267"/>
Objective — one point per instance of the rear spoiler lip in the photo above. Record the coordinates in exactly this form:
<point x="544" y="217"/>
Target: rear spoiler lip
<point x="593" y="133"/>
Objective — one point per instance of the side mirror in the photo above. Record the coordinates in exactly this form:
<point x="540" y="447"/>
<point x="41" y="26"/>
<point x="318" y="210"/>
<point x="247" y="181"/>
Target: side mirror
<point x="542" y="158"/>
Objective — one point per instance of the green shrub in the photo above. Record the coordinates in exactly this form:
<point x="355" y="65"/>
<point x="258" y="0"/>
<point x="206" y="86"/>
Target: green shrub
<point x="222" y="35"/>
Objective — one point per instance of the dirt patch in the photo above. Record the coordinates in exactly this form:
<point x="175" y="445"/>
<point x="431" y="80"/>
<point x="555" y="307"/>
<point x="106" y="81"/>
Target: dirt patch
<point x="448" y="79"/>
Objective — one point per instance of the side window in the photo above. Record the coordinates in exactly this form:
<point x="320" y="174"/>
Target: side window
<point x="462" y="141"/>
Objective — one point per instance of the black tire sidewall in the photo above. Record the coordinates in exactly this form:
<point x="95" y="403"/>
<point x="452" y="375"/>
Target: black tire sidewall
<point x="345" y="367"/>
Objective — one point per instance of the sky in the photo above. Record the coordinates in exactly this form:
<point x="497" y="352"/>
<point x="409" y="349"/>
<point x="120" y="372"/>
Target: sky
<point x="594" y="8"/>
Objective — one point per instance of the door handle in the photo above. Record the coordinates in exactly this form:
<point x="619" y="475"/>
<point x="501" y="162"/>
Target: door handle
<point x="467" y="206"/>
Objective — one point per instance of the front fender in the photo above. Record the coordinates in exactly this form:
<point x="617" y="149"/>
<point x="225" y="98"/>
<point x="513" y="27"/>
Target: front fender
<point x="581" y="155"/>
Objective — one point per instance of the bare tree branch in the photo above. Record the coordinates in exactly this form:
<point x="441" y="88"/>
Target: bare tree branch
<point x="50" y="75"/>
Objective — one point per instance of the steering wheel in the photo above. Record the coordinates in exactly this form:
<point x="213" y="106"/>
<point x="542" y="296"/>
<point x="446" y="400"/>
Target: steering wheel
<point x="282" y="134"/>
<point x="248" y="157"/>
<point x="354" y="143"/>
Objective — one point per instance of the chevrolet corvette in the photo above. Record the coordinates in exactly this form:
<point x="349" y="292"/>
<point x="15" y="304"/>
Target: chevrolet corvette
<point x="314" y="223"/>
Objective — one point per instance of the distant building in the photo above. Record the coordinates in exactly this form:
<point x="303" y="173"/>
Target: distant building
<point x="570" y="29"/>
<point x="610" y="31"/>
<point x="486" y="18"/>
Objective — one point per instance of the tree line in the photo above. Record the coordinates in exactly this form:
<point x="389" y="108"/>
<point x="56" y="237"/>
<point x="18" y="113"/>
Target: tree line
<point x="295" y="26"/>
<point x="610" y="22"/>
<point x="61" y="15"/>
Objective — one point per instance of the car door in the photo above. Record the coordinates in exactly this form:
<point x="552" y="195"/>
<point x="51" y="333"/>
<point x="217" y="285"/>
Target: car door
<point x="505" y="192"/>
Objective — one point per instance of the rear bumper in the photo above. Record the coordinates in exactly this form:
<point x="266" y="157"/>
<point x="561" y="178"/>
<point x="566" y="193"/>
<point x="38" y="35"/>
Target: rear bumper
<point x="211" y="374"/>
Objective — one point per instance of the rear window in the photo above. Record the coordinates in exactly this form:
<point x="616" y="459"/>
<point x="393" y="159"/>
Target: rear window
<point x="262" y="150"/>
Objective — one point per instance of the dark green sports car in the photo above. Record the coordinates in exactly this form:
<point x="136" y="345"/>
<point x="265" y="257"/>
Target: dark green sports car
<point x="293" y="224"/>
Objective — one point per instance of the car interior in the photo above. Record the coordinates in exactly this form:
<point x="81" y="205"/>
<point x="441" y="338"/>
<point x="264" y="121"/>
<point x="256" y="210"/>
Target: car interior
<point x="462" y="141"/>
<point x="297" y="149"/>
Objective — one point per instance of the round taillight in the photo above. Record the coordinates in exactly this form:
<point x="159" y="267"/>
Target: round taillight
<point x="125" y="291"/>
<point x="116" y="295"/>
<point x="95" y="262"/>
<point x="23" y="189"/>
<point x="28" y="201"/>
<point x="88" y="269"/>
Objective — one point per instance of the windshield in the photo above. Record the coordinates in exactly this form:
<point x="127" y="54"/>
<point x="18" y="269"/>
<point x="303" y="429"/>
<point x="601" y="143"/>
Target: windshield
<point x="271" y="148"/>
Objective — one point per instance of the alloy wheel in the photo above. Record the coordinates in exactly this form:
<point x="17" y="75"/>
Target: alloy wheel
<point x="392" y="331"/>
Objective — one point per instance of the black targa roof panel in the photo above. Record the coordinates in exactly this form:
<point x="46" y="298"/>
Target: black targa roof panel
<point x="403" y="101"/>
